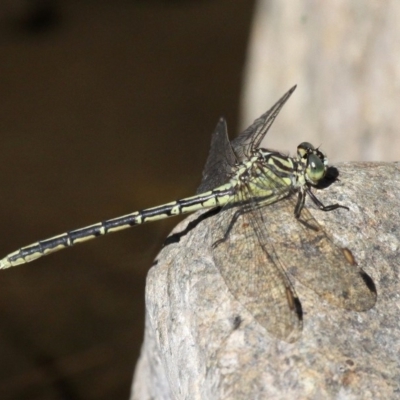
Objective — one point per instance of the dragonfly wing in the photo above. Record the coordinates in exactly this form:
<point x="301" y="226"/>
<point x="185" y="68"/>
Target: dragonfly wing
<point x="313" y="258"/>
<point x="252" y="275"/>
<point x="224" y="154"/>
<point x="251" y="138"/>
<point x="220" y="160"/>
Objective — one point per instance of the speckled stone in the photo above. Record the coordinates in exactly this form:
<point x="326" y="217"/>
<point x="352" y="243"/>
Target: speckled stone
<point x="200" y="343"/>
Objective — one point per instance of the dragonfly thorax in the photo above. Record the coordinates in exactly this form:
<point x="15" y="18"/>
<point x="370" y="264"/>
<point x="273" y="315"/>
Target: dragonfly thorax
<point x="267" y="174"/>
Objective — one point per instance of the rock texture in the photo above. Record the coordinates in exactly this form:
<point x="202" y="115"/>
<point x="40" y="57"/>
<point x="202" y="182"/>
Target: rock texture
<point x="201" y="344"/>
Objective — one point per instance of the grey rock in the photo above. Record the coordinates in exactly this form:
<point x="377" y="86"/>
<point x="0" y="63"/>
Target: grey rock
<point x="200" y="343"/>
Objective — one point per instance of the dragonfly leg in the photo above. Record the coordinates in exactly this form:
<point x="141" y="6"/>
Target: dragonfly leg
<point x="232" y="222"/>
<point x="300" y="204"/>
<point x="321" y="206"/>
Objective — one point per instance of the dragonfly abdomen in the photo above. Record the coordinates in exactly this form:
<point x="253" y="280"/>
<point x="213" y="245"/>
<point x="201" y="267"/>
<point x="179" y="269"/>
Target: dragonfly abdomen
<point x="214" y="198"/>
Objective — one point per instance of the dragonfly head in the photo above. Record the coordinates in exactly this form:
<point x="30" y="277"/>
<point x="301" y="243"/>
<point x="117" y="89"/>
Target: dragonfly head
<point x="314" y="162"/>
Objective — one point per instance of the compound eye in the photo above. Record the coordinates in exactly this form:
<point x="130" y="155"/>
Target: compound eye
<point x="304" y="148"/>
<point x="315" y="168"/>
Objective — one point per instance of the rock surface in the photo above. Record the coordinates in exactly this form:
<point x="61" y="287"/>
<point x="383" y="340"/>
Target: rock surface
<point x="200" y="343"/>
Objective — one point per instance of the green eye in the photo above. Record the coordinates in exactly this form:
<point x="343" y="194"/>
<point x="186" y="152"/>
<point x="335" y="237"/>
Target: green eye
<point x="304" y="148"/>
<point x="315" y="169"/>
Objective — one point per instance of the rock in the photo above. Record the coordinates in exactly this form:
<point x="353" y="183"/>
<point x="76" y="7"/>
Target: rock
<point x="200" y="343"/>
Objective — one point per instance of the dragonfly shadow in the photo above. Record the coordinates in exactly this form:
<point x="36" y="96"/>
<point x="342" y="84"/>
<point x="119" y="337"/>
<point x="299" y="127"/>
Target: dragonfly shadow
<point x="331" y="176"/>
<point x="176" y="237"/>
<point x="309" y="224"/>
<point x="237" y="321"/>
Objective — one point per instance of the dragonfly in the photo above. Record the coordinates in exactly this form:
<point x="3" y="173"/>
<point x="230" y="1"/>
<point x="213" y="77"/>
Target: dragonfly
<point x="263" y="236"/>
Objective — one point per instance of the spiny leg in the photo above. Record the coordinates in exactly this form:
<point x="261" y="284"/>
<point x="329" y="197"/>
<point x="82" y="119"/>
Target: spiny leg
<point x="301" y="200"/>
<point x="240" y="211"/>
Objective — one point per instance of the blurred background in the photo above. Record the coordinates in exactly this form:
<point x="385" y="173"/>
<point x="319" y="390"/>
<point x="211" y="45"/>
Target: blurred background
<point x="107" y="107"/>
